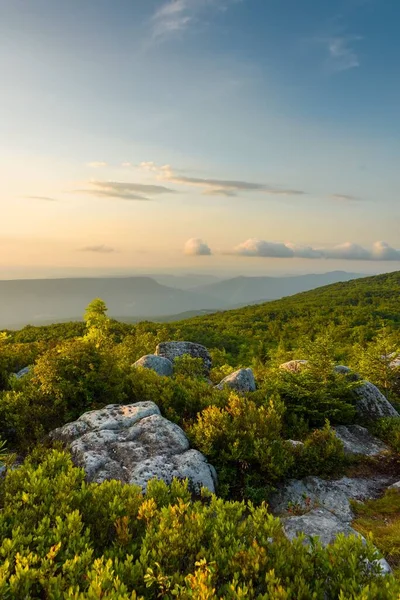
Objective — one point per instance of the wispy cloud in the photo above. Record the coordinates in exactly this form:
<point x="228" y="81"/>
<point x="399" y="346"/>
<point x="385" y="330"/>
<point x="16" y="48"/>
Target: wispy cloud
<point x="380" y="251"/>
<point x="43" y="198"/>
<point x="101" y="249"/>
<point x="197" y="247"/>
<point x="176" y="16"/>
<point x="216" y="187"/>
<point x="125" y="190"/>
<point x="341" y="52"/>
<point x="344" y="197"/>
<point x="96" y="164"/>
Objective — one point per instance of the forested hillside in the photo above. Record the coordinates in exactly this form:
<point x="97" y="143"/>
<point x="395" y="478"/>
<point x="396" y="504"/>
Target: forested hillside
<point x="68" y="533"/>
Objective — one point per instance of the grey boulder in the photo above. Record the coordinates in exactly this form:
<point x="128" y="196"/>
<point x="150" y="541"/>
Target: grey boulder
<point x="358" y="440"/>
<point x="371" y="403"/>
<point x="173" y="350"/>
<point x="160" y="365"/>
<point x="240" y="381"/>
<point x="134" y="444"/>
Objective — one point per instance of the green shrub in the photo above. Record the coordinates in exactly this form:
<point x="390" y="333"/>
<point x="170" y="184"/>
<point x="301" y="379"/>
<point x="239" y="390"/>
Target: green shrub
<point x="244" y="443"/>
<point x="61" y="538"/>
<point x="388" y="429"/>
<point x="322" y="454"/>
<point x="188" y="366"/>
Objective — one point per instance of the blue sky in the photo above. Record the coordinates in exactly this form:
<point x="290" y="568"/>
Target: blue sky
<point x="255" y="129"/>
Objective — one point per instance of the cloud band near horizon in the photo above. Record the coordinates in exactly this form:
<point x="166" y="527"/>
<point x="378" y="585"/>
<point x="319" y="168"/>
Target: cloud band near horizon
<point x="255" y="248"/>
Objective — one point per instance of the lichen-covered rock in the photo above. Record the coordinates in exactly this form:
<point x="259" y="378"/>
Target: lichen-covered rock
<point x="317" y="522"/>
<point x="161" y="365"/>
<point x="22" y="372"/>
<point x="172" y="350"/>
<point x="294" y="366"/>
<point x="241" y="381"/>
<point x="371" y="403"/>
<point x="333" y="495"/>
<point x="358" y="440"/>
<point x="321" y="523"/>
<point x="134" y="444"/>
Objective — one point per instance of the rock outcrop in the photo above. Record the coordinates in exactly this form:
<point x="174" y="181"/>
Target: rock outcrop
<point x="134" y="444"/>
<point x="294" y="366"/>
<point x="172" y="350"/>
<point x="241" y="381"/>
<point x="358" y="440"/>
<point x="316" y="507"/>
<point x="333" y="495"/>
<point x="161" y="365"/>
<point x="371" y="403"/>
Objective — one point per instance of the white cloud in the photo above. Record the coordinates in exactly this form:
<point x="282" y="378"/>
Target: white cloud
<point x="381" y="251"/>
<point x="304" y="251"/>
<point x="175" y="16"/>
<point x="348" y="251"/>
<point x="97" y="164"/>
<point x="254" y="247"/>
<point x="342" y="55"/>
<point x="197" y="247"/>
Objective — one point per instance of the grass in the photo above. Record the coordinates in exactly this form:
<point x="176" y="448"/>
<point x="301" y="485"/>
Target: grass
<point x="381" y="518"/>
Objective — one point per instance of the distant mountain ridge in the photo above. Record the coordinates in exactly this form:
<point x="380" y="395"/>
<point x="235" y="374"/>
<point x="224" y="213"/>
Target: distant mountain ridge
<point x="39" y="301"/>
<point x="246" y="290"/>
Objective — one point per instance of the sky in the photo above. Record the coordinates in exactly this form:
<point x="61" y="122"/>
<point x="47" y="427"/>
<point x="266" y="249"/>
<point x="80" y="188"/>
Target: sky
<point x="218" y="136"/>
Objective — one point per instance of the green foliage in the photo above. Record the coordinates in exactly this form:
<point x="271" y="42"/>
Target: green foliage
<point x="322" y="454"/>
<point x="180" y="399"/>
<point x="388" y="429"/>
<point x="244" y="443"/>
<point x="187" y="366"/>
<point x="382" y="518"/>
<point x="373" y="362"/>
<point x="61" y="538"/>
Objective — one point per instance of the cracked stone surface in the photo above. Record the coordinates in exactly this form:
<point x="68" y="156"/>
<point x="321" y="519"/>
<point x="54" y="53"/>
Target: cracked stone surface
<point x="134" y="444"/>
<point x="358" y="440"/>
<point x="172" y="350"/>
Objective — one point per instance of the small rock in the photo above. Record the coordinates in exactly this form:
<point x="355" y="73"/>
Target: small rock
<point x="161" y="365"/>
<point x="22" y="372"/>
<point x="241" y="381"/>
<point x="294" y="366"/>
<point x="295" y="443"/>
<point x="172" y="350"/>
<point x="358" y="440"/>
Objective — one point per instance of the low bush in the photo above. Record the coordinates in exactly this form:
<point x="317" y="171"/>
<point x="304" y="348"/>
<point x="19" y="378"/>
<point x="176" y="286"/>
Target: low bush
<point x="244" y="443"/>
<point x="61" y="538"/>
<point x="322" y="454"/>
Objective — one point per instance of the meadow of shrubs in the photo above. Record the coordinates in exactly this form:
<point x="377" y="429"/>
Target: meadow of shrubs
<point x="63" y="538"/>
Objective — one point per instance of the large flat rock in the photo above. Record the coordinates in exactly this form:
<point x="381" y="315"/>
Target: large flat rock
<point x="134" y="444"/>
